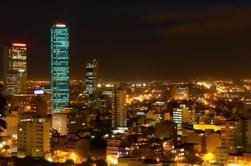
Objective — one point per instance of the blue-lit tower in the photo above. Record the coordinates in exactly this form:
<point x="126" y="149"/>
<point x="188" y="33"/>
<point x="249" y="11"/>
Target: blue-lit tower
<point x="59" y="67"/>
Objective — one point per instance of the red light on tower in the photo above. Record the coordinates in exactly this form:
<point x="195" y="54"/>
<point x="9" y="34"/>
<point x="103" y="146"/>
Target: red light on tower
<point x="19" y="44"/>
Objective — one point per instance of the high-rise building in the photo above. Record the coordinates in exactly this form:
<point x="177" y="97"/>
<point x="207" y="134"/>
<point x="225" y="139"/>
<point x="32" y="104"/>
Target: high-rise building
<point x="15" y="68"/>
<point x="91" y="74"/>
<point x="235" y="140"/>
<point x="59" y="67"/>
<point x="33" y="135"/>
<point x="119" y="113"/>
<point x="232" y="136"/>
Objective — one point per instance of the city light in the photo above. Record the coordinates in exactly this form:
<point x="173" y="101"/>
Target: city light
<point x="60" y="25"/>
<point x="18" y="44"/>
<point x="112" y="159"/>
<point x="126" y="85"/>
<point x="209" y="157"/>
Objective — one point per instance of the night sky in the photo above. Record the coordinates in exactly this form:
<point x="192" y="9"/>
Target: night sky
<point x="137" y="40"/>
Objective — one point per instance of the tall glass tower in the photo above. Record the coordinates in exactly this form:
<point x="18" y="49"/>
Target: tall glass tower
<point x="59" y="67"/>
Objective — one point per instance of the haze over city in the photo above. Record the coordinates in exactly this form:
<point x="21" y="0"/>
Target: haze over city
<point x="141" y="40"/>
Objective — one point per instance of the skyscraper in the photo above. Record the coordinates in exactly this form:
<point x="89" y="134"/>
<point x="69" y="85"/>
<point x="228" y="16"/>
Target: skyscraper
<point x="59" y="67"/>
<point x="15" y="68"/>
<point x="119" y="114"/>
<point x="91" y="74"/>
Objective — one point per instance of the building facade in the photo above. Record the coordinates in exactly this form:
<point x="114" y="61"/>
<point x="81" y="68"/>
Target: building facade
<point x="68" y="121"/>
<point x="15" y="68"/>
<point x="33" y="136"/>
<point x="91" y="75"/>
<point x="232" y="136"/>
<point x="59" y="67"/>
<point x="119" y="113"/>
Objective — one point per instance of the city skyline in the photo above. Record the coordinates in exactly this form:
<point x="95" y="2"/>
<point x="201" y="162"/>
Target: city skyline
<point x="147" y="40"/>
<point x="125" y="83"/>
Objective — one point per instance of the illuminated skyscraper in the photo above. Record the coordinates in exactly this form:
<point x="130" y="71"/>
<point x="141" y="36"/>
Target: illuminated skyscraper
<point x="15" y="68"/>
<point x="91" y="74"/>
<point x="119" y="114"/>
<point x="59" y="67"/>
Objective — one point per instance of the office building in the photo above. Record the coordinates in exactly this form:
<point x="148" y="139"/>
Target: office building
<point x="119" y="113"/>
<point x="91" y="74"/>
<point x="15" y="68"/>
<point x="59" y="67"/>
